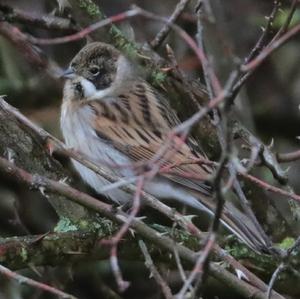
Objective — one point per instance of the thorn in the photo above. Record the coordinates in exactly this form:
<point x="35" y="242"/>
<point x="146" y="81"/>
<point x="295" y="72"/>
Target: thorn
<point x="161" y="234"/>
<point x="162" y="87"/>
<point x="189" y="217"/>
<point x="35" y="270"/>
<point x="169" y="50"/>
<point x="10" y="155"/>
<point x="263" y="29"/>
<point x="42" y="190"/>
<point x="132" y="232"/>
<point x="287" y="170"/>
<point x="143" y="56"/>
<point x="50" y="146"/>
<point x="64" y="180"/>
<point x="40" y="238"/>
<point x="166" y="69"/>
<point x="270" y="146"/>
<point x="120" y="208"/>
<point x="241" y="275"/>
<point x="244" y="161"/>
<point x="141" y="218"/>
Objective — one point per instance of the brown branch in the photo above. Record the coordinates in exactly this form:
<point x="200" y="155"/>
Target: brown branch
<point x="31" y="53"/>
<point x="261" y="43"/>
<point x="199" y="266"/>
<point x="49" y="22"/>
<point x="267" y="158"/>
<point x="254" y="63"/>
<point x="54" y="248"/>
<point x="288" y="20"/>
<point x="153" y="270"/>
<point x="33" y="283"/>
<point x="117" y="238"/>
<point x="85" y="31"/>
<point x="20" y="41"/>
<point x="288" y="157"/>
<point x="269" y="187"/>
<point x="163" y="33"/>
<point x="286" y="257"/>
<point x="148" y="199"/>
<point x="151" y="235"/>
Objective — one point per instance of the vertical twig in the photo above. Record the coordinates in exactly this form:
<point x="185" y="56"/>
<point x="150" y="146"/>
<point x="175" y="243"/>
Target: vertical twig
<point x="153" y="270"/>
<point x="162" y="34"/>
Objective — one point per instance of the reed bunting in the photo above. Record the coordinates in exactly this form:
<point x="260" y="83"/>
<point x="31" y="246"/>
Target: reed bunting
<point x="113" y="116"/>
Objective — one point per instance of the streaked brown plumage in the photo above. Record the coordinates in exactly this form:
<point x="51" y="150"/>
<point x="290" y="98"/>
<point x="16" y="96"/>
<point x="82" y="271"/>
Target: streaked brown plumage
<point x="113" y="116"/>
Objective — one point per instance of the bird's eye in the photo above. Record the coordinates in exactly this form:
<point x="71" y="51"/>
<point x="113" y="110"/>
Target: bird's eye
<point x="78" y="88"/>
<point x="95" y="70"/>
<point x="73" y="66"/>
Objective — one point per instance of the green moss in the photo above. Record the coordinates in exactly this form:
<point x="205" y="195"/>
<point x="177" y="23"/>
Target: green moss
<point x="158" y="78"/>
<point x="122" y="43"/>
<point x="91" y="8"/>
<point x="65" y="225"/>
<point x="24" y="254"/>
<point x="286" y="243"/>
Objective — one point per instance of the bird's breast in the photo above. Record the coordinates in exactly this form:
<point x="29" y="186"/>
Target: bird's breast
<point x="81" y="136"/>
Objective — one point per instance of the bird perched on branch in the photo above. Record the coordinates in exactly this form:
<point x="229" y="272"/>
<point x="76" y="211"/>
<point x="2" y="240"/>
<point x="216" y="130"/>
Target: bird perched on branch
<point x="115" y="118"/>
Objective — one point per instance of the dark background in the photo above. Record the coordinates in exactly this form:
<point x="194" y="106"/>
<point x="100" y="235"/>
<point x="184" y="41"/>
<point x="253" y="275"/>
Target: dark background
<point x="267" y="105"/>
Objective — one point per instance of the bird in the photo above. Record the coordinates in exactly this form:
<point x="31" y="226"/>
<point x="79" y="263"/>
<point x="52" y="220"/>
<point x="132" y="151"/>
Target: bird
<point x="113" y="116"/>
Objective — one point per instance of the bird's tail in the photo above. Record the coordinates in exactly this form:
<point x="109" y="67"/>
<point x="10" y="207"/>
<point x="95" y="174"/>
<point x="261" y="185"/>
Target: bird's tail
<point x="234" y="220"/>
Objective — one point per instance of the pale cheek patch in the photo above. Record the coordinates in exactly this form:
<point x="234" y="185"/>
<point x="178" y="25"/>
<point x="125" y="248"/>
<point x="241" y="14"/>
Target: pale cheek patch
<point x="89" y="88"/>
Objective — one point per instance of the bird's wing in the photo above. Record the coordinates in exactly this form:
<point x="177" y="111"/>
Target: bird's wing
<point x="138" y="122"/>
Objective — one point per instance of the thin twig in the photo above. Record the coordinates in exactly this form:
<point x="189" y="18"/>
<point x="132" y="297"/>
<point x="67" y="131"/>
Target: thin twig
<point x="199" y="266"/>
<point x="162" y="34"/>
<point x="288" y="20"/>
<point x="33" y="283"/>
<point x="116" y="239"/>
<point x="269" y="187"/>
<point x="254" y="63"/>
<point x="31" y="53"/>
<point x="286" y="256"/>
<point x="140" y="227"/>
<point x="261" y="43"/>
<point x="153" y="270"/>
<point x="85" y="31"/>
<point x="11" y="14"/>
<point x="279" y="269"/>
<point x="288" y="157"/>
<point x="148" y="199"/>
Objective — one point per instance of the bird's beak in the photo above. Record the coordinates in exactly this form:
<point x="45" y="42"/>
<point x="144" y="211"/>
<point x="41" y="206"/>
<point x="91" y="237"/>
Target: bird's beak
<point x="68" y="73"/>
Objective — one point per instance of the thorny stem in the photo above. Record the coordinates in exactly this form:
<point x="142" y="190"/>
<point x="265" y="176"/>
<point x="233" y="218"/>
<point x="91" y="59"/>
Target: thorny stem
<point x="41" y="286"/>
<point x="162" y="34"/>
<point x="153" y="270"/>
<point x="129" y="188"/>
<point x="140" y="227"/>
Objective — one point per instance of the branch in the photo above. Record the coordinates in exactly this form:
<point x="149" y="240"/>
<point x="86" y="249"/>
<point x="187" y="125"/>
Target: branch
<point x="153" y="270"/>
<point x="148" y="199"/>
<point x="33" y="283"/>
<point x="24" y="146"/>
<point x="141" y="228"/>
<point x="162" y="34"/>
<point x="49" y="22"/>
